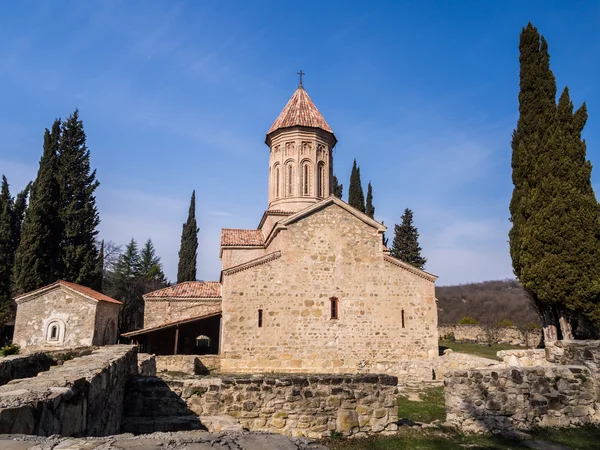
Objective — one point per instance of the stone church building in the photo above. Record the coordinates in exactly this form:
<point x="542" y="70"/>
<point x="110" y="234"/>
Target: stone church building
<point x="312" y="288"/>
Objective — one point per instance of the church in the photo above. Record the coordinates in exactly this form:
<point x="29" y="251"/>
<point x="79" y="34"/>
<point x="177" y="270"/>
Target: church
<point x="312" y="289"/>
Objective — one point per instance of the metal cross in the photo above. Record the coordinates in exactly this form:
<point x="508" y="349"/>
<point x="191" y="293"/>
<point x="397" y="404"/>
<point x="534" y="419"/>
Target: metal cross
<point x="300" y="73"/>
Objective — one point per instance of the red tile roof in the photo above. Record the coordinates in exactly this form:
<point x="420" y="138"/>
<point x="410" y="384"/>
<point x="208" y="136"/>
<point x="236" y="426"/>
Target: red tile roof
<point x="300" y="111"/>
<point x="189" y="289"/>
<point x="76" y="287"/>
<point x="242" y="238"/>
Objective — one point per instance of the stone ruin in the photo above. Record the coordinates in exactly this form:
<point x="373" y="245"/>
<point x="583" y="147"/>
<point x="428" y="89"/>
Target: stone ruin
<point x="560" y="390"/>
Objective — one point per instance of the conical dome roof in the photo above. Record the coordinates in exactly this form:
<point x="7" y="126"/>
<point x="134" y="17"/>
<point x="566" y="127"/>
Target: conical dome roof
<point x="300" y="111"/>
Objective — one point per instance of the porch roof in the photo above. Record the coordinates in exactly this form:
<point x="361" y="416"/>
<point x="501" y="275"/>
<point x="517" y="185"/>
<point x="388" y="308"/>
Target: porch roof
<point x="169" y="325"/>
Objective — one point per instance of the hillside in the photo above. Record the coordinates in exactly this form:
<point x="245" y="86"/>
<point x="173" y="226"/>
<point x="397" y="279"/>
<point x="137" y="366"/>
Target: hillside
<point x="496" y="300"/>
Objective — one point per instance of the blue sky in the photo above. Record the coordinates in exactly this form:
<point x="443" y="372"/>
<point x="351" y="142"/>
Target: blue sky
<point x="177" y="96"/>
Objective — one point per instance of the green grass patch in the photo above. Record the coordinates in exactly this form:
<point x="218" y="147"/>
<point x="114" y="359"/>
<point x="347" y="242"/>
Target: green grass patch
<point x="585" y="438"/>
<point x="430" y="408"/>
<point x="476" y="349"/>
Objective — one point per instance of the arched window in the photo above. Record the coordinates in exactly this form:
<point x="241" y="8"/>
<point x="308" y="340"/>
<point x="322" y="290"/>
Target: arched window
<point x="55" y="332"/>
<point x="276" y="180"/>
<point x="306" y="172"/>
<point x="321" y="180"/>
<point x="289" y="179"/>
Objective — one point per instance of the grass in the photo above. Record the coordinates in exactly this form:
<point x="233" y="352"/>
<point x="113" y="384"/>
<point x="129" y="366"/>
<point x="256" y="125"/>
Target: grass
<point x="430" y="408"/>
<point x="585" y="438"/>
<point x="476" y="349"/>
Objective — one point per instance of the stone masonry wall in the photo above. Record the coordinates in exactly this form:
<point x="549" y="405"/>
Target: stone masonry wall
<point x="475" y="333"/>
<point x="295" y="405"/>
<point x="188" y="364"/>
<point x="501" y="400"/>
<point x="24" y="366"/>
<point x="106" y="326"/>
<point x="82" y="397"/>
<point x="73" y="310"/>
<point x="330" y="253"/>
<point x="158" y="312"/>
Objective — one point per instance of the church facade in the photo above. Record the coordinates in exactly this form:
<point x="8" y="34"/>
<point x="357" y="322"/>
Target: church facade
<point x="312" y="288"/>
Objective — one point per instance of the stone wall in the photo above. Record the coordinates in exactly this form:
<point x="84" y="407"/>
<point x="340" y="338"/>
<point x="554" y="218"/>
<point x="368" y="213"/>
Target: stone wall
<point x="188" y="364"/>
<point x="106" y="326"/>
<point x="74" y="313"/>
<point x="82" y="397"/>
<point x="294" y="405"/>
<point x="475" y="333"/>
<point x="161" y="311"/>
<point x="523" y="358"/>
<point x="24" y="366"/>
<point x="505" y="400"/>
<point x="330" y="253"/>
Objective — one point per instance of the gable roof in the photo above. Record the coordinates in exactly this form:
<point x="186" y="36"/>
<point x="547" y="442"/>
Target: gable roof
<point x="88" y="292"/>
<point x="397" y="262"/>
<point x="188" y="289"/>
<point x="300" y="111"/>
<point x="170" y="324"/>
<point x="233" y="237"/>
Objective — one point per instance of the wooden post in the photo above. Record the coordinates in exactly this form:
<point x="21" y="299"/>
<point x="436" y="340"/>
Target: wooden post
<point x="176" y="339"/>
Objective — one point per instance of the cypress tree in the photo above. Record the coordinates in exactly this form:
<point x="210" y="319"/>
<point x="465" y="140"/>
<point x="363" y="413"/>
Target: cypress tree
<point x="188" y="252"/>
<point x="405" y="245"/>
<point x="356" y="196"/>
<point x="79" y="214"/>
<point x="369" y="208"/>
<point x="7" y="251"/>
<point x="553" y="240"/>
<point x="337" y="188"/>
<point x="37" y="261"/>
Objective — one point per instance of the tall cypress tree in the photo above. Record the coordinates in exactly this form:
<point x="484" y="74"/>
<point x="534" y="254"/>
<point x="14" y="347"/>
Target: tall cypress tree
<point x="7" y="250"/>
<point x="78" y="206"/>
<point x="337" y="188"/>
<point x="405" y="246"/>
<point x="356" y="196"/>
<point x="369" y="208"/>
<point x="38" y="257"/>
<point x="553" y="240"/>
<point x="188" y="252"/>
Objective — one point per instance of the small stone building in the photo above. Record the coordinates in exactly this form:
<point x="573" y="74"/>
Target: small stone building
<point x="65" y="315"/>
<point x="312" y="288"/>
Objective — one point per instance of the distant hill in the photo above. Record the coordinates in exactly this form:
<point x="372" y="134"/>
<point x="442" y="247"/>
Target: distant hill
<point x="498" y="300"/>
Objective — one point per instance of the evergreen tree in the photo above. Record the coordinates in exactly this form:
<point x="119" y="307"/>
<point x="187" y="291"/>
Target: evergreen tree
<point x="405" y="246"/>
<point x="337" y="188"/>
<point x="79" y="214"/>
<point x="356" y="196"/>
<point x="369" y="208"/>
<point x="127" y="289"/>
<point x="553" y="240"/>
<point x="188" y="252"/>
<point x="150" y="265"/>
<point x="7" y="251"/>
<point x="37" y="261"/>
<point x="383" y="238"/>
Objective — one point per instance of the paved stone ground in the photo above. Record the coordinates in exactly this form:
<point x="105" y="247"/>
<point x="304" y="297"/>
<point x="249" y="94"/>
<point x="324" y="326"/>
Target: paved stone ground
<point x="188" y="440"/>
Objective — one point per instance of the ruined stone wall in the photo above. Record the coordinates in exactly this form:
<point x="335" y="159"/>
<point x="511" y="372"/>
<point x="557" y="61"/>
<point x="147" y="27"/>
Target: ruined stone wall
<point x="188" y="364"/>
<point x="158" y="312"/>
<point x="330" y="253"/>
<point x="83" y="397"/>
<point x="24" y="366"/>
<point x="74" y="313"/>
<point x="523" y="358"/>
<point x="295" y="405"/>
<point x="235" y="256"/>
<point x="475" y="333"/>
<point x="504" y="400"/>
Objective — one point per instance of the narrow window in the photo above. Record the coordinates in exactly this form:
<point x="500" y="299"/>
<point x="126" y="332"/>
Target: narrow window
<point x="260" y="311"/>
<point x="289" y="180"/>
<point x="334" y="307"/>
<point x="305" y="179"/>
<point x="277" y="181"/>
<point x="54" y="332"/>
<point x="320" y="180"/>
<point x="402" y="318"/>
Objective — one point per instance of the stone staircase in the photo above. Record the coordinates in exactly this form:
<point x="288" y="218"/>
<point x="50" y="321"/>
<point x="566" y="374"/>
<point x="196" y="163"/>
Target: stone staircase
<point x="150" y="405"/>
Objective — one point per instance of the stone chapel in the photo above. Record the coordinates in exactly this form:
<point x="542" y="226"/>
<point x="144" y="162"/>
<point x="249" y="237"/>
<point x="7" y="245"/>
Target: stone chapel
<point x="311" y="289"/>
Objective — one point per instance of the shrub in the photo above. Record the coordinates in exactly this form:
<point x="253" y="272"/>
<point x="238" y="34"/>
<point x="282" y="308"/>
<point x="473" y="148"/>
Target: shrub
<point x="504" y="323"/>
<point x="448" y="337"/>
<point x="10" y="349"/>
<point x="467" y="320"/>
